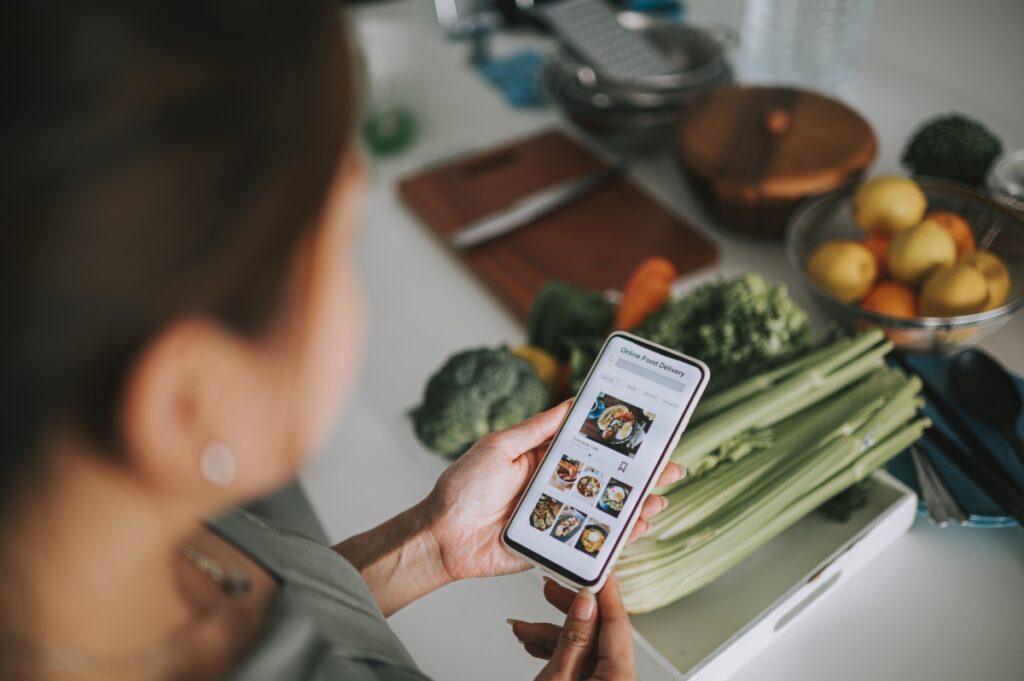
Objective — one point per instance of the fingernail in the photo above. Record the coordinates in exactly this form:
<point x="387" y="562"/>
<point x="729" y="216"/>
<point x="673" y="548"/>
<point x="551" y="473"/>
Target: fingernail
<point x="512" y="622"/>
<point x="664" y="503"/>
<point x="582" y="606"/>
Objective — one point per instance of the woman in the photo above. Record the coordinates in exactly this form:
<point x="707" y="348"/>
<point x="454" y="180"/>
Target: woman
<point x="182" y="321"/>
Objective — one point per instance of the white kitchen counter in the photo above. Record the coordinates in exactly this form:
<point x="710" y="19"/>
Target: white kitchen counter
<point x="939" y="604"/>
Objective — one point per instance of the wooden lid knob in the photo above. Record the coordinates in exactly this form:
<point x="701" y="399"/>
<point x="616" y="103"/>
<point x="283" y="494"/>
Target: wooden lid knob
<point x="777" y="121"/>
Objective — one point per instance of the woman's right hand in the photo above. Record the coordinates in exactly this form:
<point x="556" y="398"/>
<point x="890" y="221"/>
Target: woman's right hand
<point x="595" y="643"/>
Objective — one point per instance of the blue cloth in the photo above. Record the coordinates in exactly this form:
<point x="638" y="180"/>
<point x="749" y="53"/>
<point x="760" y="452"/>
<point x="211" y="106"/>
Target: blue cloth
<point x="674" y="10"/>
<point x="983" y="511"/>
<point x="517" y="77"/>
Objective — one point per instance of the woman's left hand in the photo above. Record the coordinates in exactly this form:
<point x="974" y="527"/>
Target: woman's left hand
<point x="472" y="501"/>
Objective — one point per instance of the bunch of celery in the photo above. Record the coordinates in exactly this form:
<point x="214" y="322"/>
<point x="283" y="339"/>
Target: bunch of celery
<point x="764" y="453"/>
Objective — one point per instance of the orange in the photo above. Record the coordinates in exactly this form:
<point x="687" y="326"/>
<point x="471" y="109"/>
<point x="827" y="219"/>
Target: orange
<point x="878" y="244"/>
<point x="957" y="228"/>
<point x="891" y="298"/>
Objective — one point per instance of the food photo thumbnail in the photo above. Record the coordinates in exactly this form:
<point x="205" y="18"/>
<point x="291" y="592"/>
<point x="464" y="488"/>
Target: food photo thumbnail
<point x="592" y="537"/>
<point x="568" y="524"/>
<point x="589" y="484"/>
<point x="616" y="424"/>
<point x="544" y="513"/>
<point x="614" y="497"/>
<point x="566" y="472"/>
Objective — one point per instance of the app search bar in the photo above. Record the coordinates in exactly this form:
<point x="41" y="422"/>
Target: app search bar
<point x="650" y="374"/>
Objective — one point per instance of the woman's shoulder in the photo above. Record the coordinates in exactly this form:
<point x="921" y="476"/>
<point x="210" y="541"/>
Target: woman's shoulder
<point x="296" y="645"/>
<point x="336" y="667"/>
<point x="324" y="623"/>
<point x="298" y="562"/>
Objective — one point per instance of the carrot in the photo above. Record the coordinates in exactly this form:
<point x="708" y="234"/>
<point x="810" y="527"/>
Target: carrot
<point x="646" y="290"/>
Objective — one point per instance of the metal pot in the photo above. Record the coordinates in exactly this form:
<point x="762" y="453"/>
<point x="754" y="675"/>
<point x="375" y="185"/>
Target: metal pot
<point x="639" y="114"/>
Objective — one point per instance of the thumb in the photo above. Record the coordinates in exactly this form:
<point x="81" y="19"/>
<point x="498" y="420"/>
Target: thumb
<point x="532" y="432"/>
<point x="576" y="639"/>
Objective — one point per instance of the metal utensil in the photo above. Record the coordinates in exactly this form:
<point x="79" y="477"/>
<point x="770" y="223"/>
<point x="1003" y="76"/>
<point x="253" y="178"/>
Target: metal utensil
<point x="937" y="513"/>
<point x="532" y="207"/>
<point x="993" y="482"/>
<point x="986" y="390"/>
<point x="941" y="504"/>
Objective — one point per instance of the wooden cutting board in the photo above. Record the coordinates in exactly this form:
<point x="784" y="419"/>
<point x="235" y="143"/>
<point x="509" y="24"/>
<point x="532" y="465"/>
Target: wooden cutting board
<point x="594" y="242"/>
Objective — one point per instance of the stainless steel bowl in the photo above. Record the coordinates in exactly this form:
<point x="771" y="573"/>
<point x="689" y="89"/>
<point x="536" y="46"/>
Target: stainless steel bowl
<point x="996" y="228"/>
<point x="640" y="114"/>
<point x="635" y="131"/>
<point x="696" y="54"/>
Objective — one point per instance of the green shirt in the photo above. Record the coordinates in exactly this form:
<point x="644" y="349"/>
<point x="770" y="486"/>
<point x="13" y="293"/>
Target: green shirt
<point x="323" y="624"/>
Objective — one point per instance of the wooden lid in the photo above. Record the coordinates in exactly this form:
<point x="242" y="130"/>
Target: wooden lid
<point x="755" y="143"/>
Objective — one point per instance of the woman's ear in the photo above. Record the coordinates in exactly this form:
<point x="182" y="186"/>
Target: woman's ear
<point x="201" y="413"/>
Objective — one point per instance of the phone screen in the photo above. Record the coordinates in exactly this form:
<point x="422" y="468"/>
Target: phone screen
<point x="602" y="462"/>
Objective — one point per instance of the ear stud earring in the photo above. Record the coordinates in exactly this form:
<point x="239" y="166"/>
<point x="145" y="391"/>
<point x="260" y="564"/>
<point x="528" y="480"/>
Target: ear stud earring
<point x="218" y="464"/>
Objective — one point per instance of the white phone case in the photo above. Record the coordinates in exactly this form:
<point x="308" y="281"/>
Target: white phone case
<point x="665" y="458"/>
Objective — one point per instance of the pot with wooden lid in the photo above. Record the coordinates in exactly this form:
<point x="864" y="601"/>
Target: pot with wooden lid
<point x="753" y="153"/>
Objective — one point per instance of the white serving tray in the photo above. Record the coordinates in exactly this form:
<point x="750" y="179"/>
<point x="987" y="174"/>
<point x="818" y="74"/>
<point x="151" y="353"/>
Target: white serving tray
<point x="711" y="633"/>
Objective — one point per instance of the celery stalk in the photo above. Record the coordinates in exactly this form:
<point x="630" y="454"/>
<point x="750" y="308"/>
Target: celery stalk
<point x="788" y="397"/>
<point x="692" y="502"/>
<point x="776" y="490"/>
<point x="764" y="453"/>
<point x="699" y="568"/>
<point x="718" y="402"/>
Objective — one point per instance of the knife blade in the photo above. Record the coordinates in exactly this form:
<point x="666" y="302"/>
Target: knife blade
<point x="532" y="207"/>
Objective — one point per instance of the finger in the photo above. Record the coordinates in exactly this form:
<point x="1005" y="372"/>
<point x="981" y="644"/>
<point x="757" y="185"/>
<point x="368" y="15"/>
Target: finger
<point x="576" y="638"/>
<point x="534" y="456"/>
<point x="531" y="433"/>
<point x="653" y="505"/>
<point x="557" y="595"/>
<point x="539" y="652"/>
<point x="638" y="531"/>
<point x="616" y="635"/>
<point x="673" y="473"/>
<point x="541" y="634"/>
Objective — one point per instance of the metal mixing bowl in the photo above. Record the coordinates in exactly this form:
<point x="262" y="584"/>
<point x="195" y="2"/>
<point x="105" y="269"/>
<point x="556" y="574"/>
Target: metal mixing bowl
<point x="639" y="114"/>
<point x="996" y="229"/>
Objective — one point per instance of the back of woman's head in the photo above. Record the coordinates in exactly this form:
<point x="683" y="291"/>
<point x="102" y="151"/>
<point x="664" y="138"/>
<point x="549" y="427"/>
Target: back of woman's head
<point x="159" y="159"/>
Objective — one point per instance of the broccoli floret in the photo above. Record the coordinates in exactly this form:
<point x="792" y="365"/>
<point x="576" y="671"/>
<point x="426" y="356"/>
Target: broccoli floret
<point x="476" y="392"/>
<point x="562" y="313"/>
<point x="582" y="353"/>
<point x="953" y="147"/>
<point x="738" y="327"/>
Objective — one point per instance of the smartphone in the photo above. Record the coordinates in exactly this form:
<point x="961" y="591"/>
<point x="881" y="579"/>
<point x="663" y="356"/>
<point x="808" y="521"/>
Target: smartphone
<point x="586" y="494"/>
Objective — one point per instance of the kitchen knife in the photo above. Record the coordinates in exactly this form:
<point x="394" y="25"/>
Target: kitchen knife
<point x="531" y="207"/>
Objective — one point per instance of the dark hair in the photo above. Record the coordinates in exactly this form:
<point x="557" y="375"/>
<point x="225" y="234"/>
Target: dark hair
<point x="157" y="159"/>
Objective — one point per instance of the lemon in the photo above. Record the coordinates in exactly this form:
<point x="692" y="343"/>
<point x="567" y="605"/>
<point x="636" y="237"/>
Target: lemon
<point x="845" y="269"/>
<point x="914" y="252"/>
<point x="995" y="273"/>
<point x="546" y="366"/>
<point x="888" y="203"/>
<point x="951" y="291"/>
